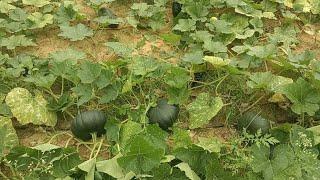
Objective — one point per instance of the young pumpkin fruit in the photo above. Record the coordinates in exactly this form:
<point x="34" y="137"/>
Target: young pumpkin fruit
<point x="163" y="114"/>
<point x="109" y="14"/>
<point x="252" y="122"/>
<point x="176" y="8"/>
<point x="87" y="123"/>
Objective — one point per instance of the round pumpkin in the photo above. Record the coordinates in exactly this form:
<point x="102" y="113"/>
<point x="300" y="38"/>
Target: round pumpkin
<point x="163" y="114"/>
<point x="109" y="14"/>
<point x="87" y="123"/>
<point x="252" y="122"/>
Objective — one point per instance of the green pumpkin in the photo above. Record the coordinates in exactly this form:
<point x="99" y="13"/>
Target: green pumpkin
<point x="163" y="114"/>
<point x="88" y="122"/>
<point x="252" y="122"/>
<point x="176" y="8"/>
<point x="108" y="13"/>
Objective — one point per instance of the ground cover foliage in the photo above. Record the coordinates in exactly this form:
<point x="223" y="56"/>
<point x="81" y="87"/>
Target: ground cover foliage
<point x="216" y="60"/>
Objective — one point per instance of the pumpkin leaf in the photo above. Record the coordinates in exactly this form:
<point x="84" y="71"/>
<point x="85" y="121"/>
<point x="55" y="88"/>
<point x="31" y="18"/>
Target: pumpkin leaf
<point x="187" y="169"/>
<point x="5" y="6"/>
<point x="29" y="109"/>
<point x="185" y="25"/>
<point x="268" y="81"/>
<point x="316" y="133"/>
<point x="203" y="109"/>
<point x="181" y="138"/>
<point x="15" y="41"/>
<point x="8" y="136"/>
<point x="216" y="61"/>
<point x="212" y="144"/>
<point x="120" y="48"/>
<point x="68" y="54"/>
<point x="304" y="97"/>
<point x="75" y="33"/>
<point x="88" y="167"/>
<point x="89" y="72"/>
<point x="177" y="77"/>
<point x="41" y="80"/>
<point x="37" y="3"/>
<point x="39" y="20"/>
<point x="142" y="156"/>
<point x="84" y="92"/>
<point x="111" y="167"/>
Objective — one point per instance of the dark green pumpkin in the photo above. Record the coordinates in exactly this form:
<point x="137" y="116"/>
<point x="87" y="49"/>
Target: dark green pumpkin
<point x="109" y="14"/>
<point x="88" y="122"/>
<point x="253" y="121"/>
<point x="163" y="114"/>
<point x="176" y="8"/>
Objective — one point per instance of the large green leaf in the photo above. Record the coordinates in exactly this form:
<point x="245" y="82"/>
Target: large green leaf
<point x="185" y="25"/>
<point x="268" y="81"/>
<point x="29" y="109"/>
<point x="177" y="77"/>
<point x="304" y="97"/>
<point x="282" y="165"/>
<point x="88" y="167"/>
<point x="8" y="136"/>
<point x="128" y="130"/>
<point x="14" y="41"/>
<point x="316" y="133"/>
<point x="142" y="156"/>
<point x="89" y="72"/>
<point x="189" y="172"/>
<point x="111" y="167"/>
<point x="68" y="54"/>
<point x="203" y="109"/>
<point x="41" y="80"/>
<point x="143" y="65"/>
<point x="39" y="20"/>
<point x="75" y="33"/>
<point x="120" y="49"/>
<point x="5" y="6"/>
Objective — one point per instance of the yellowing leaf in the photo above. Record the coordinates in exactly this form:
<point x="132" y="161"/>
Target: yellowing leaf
<point x="8" y="136"/>
<point x="40" y="20"/>
<point x="37" y="3"/>
<point x="29" y="109"/>
<point x="203" y="109"/>
<point x="216" y="61"/>
<point x="277" y="98"/>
